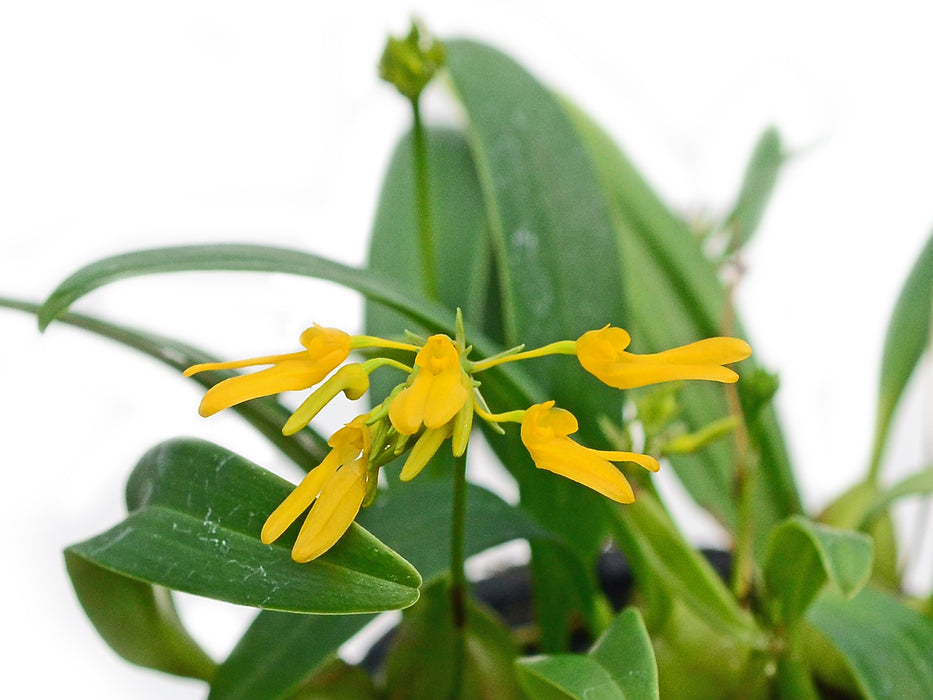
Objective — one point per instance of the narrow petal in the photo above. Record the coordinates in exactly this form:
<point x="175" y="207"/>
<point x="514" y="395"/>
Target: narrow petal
<point x="577" y="463"/>
<point x="446" y="396"/>
<point x="251" y="362"/>
<point x="298" y="500"/>
<point x="427" y="445"/>
<point x="332" y="514"/>
<point x="288" y="375"/>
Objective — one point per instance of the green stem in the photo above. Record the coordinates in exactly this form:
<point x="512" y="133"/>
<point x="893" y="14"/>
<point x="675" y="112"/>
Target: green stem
<point x="423" y="204"/>
<point x="458" y="583"/>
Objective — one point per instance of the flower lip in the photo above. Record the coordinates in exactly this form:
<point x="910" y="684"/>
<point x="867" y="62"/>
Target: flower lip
<point x="437" y="392"/>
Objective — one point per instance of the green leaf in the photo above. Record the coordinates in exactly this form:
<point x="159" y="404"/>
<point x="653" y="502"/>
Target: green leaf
<point x="423" y="655"/>
<point x="625" y="651"/>
<point x="196" y="512"/>
<point x="757" y="186"/>
<point x="906" y="339"/>
<point x="663" y="560"/>
<point x="137" y="620"/>
<point x="566" y="677"/>
<point x="279" y="650"/>
<point x="849" y="511"/>
<point x="673" y="296"/>
<point x="243" y="258"/>
<point x="266" y="414"/>
<point x="919" y="484"/>
<point x="884" y="644"/>
<point x="804" y="556"/>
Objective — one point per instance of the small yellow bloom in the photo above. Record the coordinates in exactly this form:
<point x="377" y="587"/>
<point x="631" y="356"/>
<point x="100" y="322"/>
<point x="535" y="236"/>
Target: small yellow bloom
<point x="544" y="434"/>
<point x="335" y="489"/>
<point x="437" y="392"/>
<point x="325" y="349"/>
<point x="352" y="380"/>
<point x="602" y="354"/>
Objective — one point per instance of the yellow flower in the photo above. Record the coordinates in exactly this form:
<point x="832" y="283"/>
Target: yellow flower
<point x="602" y="354"/>
<point x="437" y="392"/>
<point x="335" y="489"/>
<point x="544" y="433"/>
<point x="325" y="349"/>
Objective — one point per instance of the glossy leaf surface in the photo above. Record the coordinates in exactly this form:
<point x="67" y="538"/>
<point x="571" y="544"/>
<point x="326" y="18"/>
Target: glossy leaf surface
<point x="196" y="510"/>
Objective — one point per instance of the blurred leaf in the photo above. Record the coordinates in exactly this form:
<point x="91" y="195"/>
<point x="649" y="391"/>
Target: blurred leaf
<point x="757" y="186"/>
<point x="337" y="680"/>
<point x="662" y="559"/>
<point x="906" y="339"/>
<point x="885" y="645"/>
<point x="803" y="556"/>
<point x="137" y="620"/>
<point x="420" y="664"/>
<point x="849" y="512"/>
<point x="673" y="296"/>
<point x="625" y="651"/>
<point x="919" y="484"/>
<point x="558" y="275"/>
<point x="306" y="448"/>
<point x="196" y="512"/>
<point x="279" y="650"/>
<point x="567" y="677"/>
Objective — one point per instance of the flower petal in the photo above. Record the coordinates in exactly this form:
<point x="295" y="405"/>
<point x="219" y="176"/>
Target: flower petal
<point x="332" y="513"/>
<point x="298" y="500"/>
<point x="288" y="375"/>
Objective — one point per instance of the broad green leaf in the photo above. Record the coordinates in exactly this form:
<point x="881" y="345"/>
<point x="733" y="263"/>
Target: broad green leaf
<point x="803" y="557"/>
<point x="757" y="186"/>
<point x="557" y="274"/>
<point x="885" y="645"/>
<point x="137" y="620"/>
<point x="625" y="651"/>
<point x="567" y="677"/>
<point x="907" y="337"/>
<point x="267" y="415"/>
<point x="663" y="560"/>
<point x="279" y="650"/>
<point x="196" y="510"/>
<point x="423" y="655"/>
<point x="673" y="296"/>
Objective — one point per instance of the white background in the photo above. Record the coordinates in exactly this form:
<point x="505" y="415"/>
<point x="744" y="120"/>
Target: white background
<point x="129" y="125"/>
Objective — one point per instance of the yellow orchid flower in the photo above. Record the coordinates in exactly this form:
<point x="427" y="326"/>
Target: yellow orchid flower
<point x="325" y="349"/>
<point x="544" y="433"/>
<point x="437" y="392"/>
<point x="602" y="354"/>
<point x="334" y="489"/>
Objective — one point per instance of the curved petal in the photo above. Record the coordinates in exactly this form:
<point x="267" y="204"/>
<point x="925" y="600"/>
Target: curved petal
<point x="333" y="512"/>
<point x="298" y="500"/>
<point x="288" y="375"/>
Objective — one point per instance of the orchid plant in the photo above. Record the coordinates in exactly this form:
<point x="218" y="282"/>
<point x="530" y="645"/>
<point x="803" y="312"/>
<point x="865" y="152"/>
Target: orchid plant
<point x="506" y="257"/>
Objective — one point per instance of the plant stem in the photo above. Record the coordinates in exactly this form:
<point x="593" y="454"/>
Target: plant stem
<point x="458" y="583"/>
<point x="423" y="203"/>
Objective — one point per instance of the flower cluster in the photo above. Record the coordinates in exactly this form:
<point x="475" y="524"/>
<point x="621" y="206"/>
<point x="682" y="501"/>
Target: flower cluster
<point x="438" y="400"/>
